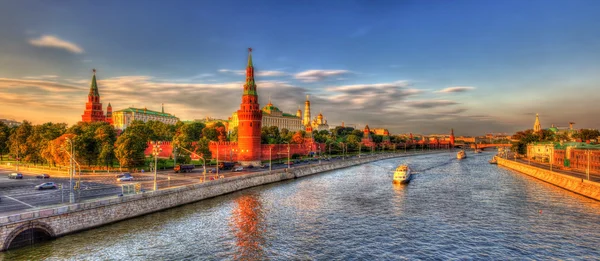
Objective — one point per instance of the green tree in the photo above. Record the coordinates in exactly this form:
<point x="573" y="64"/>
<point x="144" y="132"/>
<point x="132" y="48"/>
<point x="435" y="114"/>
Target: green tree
<point x="129" y="149"/>
<point x="186" y="137"/>
<point x="233" y="136"/>
<point x="4" y="135"/>
<point x="19" y="147"/>
<point x="160" y="131"/>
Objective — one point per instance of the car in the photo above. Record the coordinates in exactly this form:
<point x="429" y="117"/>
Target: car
<point x="125" y="174"/>
<point x="125" y="178"/>
<point x="47" y="185"/>
<point x="15" y="176"/>
<point x="213" y="170"/>
<point x="264" y="166"/>
<point x="43" y="176"/>
<point x="237" y="169"/>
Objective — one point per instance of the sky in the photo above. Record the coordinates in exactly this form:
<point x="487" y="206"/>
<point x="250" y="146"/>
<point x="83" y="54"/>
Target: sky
<point x="408" y="66"/>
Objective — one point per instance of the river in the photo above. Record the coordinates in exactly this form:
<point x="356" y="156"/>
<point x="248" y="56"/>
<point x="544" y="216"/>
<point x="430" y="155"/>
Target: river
<point x="452" y="209"/>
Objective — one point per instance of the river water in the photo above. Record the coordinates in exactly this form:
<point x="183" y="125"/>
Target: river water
<point x="452" y="209"/>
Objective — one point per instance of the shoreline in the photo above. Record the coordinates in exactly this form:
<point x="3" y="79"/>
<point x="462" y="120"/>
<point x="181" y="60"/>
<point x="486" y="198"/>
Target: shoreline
<point x="579" y="186"/>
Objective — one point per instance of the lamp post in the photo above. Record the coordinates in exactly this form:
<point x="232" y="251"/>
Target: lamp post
<point x="203" y="162"/>
<point x="71" y="169"/>
<point x="319" y="152"/>
<point x="156" y="149"/>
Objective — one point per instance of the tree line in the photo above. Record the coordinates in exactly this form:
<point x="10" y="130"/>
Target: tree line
<point x="99" y="144"/>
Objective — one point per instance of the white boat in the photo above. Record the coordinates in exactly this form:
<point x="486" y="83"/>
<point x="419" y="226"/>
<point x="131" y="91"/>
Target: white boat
<point x="402" y="174"/>
<point x="461" y="154"/>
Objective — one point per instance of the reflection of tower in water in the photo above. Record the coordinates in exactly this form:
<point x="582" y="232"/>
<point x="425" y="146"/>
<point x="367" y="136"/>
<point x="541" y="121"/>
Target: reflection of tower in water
<point x="248" y="223"/>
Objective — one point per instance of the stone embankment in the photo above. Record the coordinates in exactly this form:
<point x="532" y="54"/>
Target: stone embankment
<point x="580" y="186"/>
<point x="64" y="219"/>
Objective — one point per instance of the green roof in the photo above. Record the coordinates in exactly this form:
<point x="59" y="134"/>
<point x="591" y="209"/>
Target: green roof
<point x="146" y="111"/>
<point x="94" y="87"/>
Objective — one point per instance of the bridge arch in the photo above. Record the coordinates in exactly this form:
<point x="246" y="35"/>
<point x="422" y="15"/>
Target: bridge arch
<point x="28" y="234"/>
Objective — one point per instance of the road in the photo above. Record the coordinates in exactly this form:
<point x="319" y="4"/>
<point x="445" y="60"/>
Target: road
<point x="18" y="195"/>
<point x="577" y="174"/>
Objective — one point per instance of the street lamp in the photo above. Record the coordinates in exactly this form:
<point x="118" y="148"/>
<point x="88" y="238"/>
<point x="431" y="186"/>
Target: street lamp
<point x="203" y="162"/>
<point x="156" y="149"/>
<point x="359" y="148"/>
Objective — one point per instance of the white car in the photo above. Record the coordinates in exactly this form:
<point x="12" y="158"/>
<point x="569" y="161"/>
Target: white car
<point x="238" y="169"/>
<point x="125" y="178"/>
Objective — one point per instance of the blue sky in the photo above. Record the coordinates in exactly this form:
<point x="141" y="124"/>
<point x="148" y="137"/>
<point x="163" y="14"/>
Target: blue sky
<point x="382" y="63"/>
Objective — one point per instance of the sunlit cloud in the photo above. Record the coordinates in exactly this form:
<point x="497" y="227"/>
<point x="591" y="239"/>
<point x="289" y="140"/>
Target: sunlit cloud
<point x="55" y="42"/>
<point x="319" y="75"/>
<point x="456" y="89"/>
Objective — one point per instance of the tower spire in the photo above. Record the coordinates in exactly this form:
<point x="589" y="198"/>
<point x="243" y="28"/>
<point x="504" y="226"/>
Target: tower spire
<point x="250" y="86"/>
<point x="94" y="86"/>
<point x="162" y="107"/>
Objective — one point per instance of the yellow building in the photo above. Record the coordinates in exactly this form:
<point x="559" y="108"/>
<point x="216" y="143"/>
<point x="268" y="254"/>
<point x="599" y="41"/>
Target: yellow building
<point x="123" y="118"/>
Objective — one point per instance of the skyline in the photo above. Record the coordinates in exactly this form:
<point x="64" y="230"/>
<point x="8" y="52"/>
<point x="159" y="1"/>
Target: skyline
<point x="408" y="67"/>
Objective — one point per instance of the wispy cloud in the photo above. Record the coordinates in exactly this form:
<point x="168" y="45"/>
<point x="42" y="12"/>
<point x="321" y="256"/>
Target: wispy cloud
<point x="456" y="89"/>
<point x="41" y="77"/>
<point x="55" y="42"/>
<point x="259" y="73"/>
<point x="427" y="104"/>
<point x="319" y="75"/>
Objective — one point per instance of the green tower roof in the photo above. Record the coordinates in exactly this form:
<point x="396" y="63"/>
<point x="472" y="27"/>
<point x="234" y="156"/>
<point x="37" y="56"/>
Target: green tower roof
<point x="94" y="86"/>
<point x="250" y="86"/>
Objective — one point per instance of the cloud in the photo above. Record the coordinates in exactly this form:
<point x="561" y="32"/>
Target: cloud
<point x="50" y="86"/>
<point x="427" y="104"/>
<point x="41" y="77"/>
<point x="258" y="73"/>
<point x="456" y="89"/>
<point x="55" y="42"/>
<point x="319" y="75"/>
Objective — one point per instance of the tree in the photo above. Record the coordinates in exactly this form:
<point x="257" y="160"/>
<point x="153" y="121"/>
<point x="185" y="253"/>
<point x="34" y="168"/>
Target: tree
<point x="106" y="137"/>
<point x="160" y="131"/>
<point x="129" y="149"/>
<point x="298" y="137"/>
<point x="588" y="134"/>
<point x="19" y="147"/>
<point x="4" y="134"/>
<point x="186" y="136"/>
<point x="234" y="135"/>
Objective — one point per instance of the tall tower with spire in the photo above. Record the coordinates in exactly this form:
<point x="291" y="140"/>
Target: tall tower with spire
<point x="537" y="127"/>
<point x="250" y="117"/>
<point x="93" y="108"/>
<point x="452" y="137"/>
<point x="109" y="114"/>
<point x="306" y="120"/>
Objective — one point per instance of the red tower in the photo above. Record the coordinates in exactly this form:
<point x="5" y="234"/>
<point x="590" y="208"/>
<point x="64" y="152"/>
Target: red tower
<point x="250" y="117"/>
<point x="93" y="108"/>
<point x="109" y="114"/>
<point x="452" y="137"/>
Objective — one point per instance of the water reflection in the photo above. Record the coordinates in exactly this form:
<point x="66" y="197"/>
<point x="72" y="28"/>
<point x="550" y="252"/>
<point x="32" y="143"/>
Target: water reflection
<point x="248" y="225"/>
